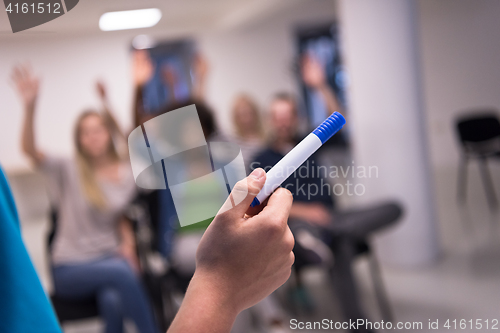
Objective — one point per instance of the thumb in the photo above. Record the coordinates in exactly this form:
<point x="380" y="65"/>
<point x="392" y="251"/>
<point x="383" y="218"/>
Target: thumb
<point x="243" y="193"/>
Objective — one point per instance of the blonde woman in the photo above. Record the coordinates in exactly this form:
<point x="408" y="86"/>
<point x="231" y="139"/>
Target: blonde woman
<point x="248" y="129"/>
<point x="93" y="252"/>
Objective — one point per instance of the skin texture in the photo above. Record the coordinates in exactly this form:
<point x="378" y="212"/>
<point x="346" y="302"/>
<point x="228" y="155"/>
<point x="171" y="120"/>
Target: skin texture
<point x="242" y="258"/>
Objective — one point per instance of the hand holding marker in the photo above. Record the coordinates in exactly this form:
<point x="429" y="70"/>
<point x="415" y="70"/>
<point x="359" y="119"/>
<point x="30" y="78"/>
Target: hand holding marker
<point x="298" y="155"/>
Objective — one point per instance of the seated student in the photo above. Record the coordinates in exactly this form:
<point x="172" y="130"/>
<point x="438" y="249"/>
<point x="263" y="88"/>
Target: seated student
<point x="312" y="209"/>
<point x="94" y="249"/>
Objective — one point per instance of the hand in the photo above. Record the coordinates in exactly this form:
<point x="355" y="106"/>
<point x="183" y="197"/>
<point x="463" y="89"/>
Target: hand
<point x="242" y="258"/>
<point x="128" y="252"/>
<point x="313" y="73"/>
<point x="200" y="67"/>
<point x="169" y="76"/>
<point x="142" y="67"/>
<point x="311" y="212"/>
<point x="101" y="90"/>
<point x="27" y="85"/>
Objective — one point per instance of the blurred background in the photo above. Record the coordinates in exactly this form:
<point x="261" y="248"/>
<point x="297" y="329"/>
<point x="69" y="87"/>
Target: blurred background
<point x="405" y="74"/>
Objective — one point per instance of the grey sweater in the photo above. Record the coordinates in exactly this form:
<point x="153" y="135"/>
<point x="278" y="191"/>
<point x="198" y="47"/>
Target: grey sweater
<point x="84" y="232"/>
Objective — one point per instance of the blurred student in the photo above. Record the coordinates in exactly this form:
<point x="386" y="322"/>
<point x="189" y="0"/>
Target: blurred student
<point x="94" y="248"/>
<point x="248" y="128"/>
<point x="319" y="229"/>
<point x="143" y="70"/>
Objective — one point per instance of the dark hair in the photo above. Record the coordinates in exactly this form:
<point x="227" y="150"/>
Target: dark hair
<point x="205" y="114"/>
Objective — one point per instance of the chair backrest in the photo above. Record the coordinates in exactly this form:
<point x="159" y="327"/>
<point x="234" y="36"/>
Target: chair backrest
<point x="49" y="242"/>
<point x="479" y="127"/>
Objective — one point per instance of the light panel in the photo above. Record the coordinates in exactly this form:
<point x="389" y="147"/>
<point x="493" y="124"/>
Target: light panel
<point x="129" y="19"/>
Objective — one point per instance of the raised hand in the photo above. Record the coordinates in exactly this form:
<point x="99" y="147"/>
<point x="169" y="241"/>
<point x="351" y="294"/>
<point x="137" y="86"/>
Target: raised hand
<point x="313" y="75"/>
<point x="313" y="72"/>
<point x="200" y="66"/>
<point x="142" y="67"/>
<point x="101" y="90"/>
<point x="26" y="83"/>
<point x="200" y="69"/>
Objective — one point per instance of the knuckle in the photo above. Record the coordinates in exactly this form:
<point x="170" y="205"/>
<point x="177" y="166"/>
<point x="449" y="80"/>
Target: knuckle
<point x="241" y="186"/>
<point x="285" y="193"/>
<point x="291" y="258"/>
<point x="286" y="275"/>
<point x="246" y="186"/>
<point x="274" y="228"/>
<point x="289" y="242"/>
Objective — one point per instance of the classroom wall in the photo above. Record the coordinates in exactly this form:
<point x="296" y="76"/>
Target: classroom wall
<point x="68" y="68"/>
<point x="460" y="57"/>
<point x="460" y="47"/>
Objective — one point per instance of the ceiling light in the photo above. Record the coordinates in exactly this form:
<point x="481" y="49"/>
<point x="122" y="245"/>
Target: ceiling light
<point x="129" y="19"/>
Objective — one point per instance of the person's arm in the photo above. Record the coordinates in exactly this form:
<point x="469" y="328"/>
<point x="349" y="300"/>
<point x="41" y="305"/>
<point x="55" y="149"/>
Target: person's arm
<point x="170" y="80"/>
<point x="143" y="70"/>
<point x="103" y="96"/>
<point x="200" y="69"/>
<point x="240" y="260"/>
<point x="27" y="86"/>
<point x="127" y="243"/>
<point x="313" y="75"/>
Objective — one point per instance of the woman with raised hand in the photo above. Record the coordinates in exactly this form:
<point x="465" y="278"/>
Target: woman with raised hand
<point x="93" y="253"/>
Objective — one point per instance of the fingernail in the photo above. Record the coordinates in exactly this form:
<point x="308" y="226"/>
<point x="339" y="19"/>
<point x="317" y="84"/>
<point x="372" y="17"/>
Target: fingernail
<point x="257" y="173"/>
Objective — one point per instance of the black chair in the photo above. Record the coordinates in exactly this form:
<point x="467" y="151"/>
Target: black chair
<point x="479" y="136"/>
<point x="162" y="280"/>
<point x="361" y="248"/>
<point x="350" y="241"/>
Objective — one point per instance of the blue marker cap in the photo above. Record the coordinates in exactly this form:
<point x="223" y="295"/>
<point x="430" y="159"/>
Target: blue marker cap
<point x="255" y="202"/>
<point x="299" y="154"/>
<point x="329" y="127"/>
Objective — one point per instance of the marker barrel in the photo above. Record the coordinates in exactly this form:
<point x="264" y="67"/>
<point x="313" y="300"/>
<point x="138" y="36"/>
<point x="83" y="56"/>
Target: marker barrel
<point x="298" y="155"/>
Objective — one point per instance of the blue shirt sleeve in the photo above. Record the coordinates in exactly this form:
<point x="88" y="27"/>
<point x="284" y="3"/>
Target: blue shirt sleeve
<point x="24" y="306"/>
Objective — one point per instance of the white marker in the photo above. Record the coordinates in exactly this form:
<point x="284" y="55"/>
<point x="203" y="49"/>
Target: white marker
<point x="298" y="155"/>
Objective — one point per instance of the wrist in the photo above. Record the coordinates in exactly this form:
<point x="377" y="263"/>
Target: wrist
<point x="212" y="300"/>
<point x="29" y="106"/>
